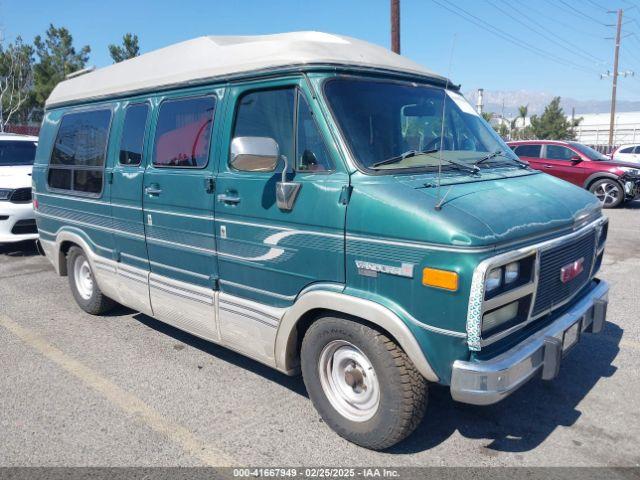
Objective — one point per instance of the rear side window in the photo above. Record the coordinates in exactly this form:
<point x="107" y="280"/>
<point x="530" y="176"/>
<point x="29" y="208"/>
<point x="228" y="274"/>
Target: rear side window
<point x="531" y="151"/>
<point x="17" y="152"/>
<point x="627" y="150"/>
<point x="77" y="159"/>
<point x="183" y="133"/>
<point x="556" y="152"/>
<point x="132" y="141"/>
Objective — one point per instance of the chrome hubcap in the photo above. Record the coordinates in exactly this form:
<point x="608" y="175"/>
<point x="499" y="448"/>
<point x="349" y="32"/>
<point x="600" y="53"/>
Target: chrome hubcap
<point x="349" y="381"/>
<point x="84" y="277"/>
<point x="607" y="193"/>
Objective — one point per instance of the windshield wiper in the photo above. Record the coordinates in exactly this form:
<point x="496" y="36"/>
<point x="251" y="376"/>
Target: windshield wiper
<point x="413" y="153"/>
<point x="401" y="157"/>
<point x="498" y="153"/>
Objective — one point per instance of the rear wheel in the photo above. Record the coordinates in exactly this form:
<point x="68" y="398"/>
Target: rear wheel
<point x="610" y="192"/>
<point x="362" y="383"/>
<point x="83" y="286"/>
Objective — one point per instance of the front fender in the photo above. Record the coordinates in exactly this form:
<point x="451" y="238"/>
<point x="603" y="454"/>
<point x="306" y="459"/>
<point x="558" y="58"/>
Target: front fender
<point x="286" y="337"/>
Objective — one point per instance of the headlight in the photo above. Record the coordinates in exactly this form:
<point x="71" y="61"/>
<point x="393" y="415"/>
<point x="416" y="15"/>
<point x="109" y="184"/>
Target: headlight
<point x="5" y="193"/>
<point x="511" y="272"/>
<point x="494" y="279"/>
<point x="509" y="276"/>
<point x="631" y="171"/>
<point x="502" y="315"/>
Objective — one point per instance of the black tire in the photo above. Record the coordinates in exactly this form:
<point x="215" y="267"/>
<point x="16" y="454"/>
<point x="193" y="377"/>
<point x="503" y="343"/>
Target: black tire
<point x="610" y="192"/>
<point x="403" y="390"/>
<point x="97" y="303"/>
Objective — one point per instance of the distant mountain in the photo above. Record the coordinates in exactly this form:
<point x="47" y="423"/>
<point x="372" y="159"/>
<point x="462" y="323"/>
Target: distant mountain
<point x="538" y="100"/>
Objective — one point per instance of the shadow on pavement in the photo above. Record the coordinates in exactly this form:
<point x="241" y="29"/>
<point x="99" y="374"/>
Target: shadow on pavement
<point x="294" y="384"/>
<point x="519" y="423"/>
<point x="635" y="205"/>
<point x="525" y="419"/>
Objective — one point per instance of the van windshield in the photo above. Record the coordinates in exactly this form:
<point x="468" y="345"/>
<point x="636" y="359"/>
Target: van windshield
<point x="17" y="152"/>
<point x="399" y="125"/>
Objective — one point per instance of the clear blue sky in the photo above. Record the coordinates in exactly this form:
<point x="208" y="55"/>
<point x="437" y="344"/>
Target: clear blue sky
<point x="480" y="59"/>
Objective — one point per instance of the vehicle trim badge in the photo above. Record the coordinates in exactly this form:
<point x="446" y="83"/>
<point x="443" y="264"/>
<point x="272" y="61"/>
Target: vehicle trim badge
<point x="572" y="270"/>
<point x="369" y="269"/>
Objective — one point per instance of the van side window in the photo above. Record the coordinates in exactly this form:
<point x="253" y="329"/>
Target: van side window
<point x="131" y="143"/>
<point x="531" y="151"/>
<point x="267" y="113"/>
<point x="183" y="132"/>
<point x="311" y="152"/>
<point x="77" y="159"/>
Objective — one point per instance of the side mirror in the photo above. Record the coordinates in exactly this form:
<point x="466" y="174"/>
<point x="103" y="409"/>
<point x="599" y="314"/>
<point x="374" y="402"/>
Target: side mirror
<point x="254" y="154"/>
<point x="575" y="159"/>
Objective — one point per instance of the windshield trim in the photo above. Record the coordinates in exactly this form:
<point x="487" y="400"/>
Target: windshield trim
<point x="343" y="139"/>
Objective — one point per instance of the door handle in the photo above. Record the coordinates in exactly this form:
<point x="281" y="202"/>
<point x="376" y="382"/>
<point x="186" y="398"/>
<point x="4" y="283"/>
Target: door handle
<point x="229" y="198"/>
<point x="548" y="166"/>
<point x="153" y="190"/>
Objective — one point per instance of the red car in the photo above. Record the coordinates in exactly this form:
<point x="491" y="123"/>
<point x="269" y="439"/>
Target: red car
<point x="612" y="182"/>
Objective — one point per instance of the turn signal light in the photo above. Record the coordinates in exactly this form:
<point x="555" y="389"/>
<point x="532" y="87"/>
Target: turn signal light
<point x="433" y="277"/>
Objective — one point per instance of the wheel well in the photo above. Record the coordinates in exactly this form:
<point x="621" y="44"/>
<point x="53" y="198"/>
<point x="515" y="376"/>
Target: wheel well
<point x="310" y="317"/>
<point x="62" y="256"/>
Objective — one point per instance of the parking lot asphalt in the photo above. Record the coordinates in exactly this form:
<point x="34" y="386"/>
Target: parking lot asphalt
<point x="127" y="390"/>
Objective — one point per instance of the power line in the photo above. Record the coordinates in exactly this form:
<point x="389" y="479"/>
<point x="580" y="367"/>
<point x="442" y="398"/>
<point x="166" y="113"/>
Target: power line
<point x="598" y="6"/>
<point x="567" y="26"/>
<point x="580" y="12"/>
<point x="469" y="17"/>
<point x="573" y="48"/>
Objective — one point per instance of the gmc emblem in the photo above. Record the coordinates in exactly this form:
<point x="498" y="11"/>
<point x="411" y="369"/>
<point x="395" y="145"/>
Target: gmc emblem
<point x="571" y="271"/>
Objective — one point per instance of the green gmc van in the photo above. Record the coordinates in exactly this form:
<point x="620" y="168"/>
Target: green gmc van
<point x="323" y="206"/>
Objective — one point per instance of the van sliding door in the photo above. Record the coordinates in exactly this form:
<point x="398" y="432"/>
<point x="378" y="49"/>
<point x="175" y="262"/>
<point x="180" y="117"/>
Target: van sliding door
<point x="178" y="215"/>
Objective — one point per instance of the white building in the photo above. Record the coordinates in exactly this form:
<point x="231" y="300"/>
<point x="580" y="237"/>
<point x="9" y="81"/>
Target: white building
<point x="594" y="128"/>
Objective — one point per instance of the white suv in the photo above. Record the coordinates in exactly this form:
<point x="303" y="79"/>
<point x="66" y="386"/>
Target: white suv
<point x="627" y="153"/>
<point x="17" y="220"/>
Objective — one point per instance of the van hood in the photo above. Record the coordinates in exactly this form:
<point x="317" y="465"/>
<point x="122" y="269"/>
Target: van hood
<point x="15" y="176"/>
<point x="495" y="210"/>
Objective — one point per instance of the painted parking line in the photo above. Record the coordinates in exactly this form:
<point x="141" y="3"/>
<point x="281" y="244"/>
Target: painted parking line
<point x="122" y="399"/>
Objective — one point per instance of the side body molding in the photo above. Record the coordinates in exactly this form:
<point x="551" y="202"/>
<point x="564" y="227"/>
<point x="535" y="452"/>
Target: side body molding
<point x="286" y="338"/>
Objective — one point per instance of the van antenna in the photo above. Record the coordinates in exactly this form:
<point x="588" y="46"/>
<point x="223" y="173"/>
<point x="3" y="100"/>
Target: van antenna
<point x="444" y="104"/>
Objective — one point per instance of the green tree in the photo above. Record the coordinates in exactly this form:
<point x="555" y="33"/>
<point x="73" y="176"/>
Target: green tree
<point x="487" y="116"/>
<point x="57" y="58"/>
<point x="16" y="79"/>
<point x="523" y="110"/>
<point x="129" y="48"/>
<point x="553" y="123"/>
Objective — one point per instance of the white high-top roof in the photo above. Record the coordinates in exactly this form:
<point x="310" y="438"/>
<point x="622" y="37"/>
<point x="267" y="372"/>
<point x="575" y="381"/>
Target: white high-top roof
<point x="202" y="58"/>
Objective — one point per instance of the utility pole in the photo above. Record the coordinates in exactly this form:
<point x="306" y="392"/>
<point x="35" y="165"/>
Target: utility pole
<point x="615" y="79"/>
<point x="395" y="26"/>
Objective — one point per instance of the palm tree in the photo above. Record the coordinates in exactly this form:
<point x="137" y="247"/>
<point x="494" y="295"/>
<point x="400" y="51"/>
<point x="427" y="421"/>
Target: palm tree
<point x="523" y="110"/>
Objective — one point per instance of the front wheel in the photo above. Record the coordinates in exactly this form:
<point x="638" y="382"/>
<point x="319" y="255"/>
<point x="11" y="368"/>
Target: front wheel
<point x="83" y="286"/>
<point x="610" y="192"/>
<point x="362" y="383"/>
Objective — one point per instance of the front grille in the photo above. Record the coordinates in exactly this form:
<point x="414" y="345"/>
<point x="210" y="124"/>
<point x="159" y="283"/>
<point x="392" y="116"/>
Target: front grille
<point x="21" y="195"/>
<point x="551" y="291"/>
<point x="24" y="227"/>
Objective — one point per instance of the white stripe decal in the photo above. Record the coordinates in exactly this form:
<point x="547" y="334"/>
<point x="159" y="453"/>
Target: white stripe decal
<point x="84" y="224"/>
<point x="258" y="290"/>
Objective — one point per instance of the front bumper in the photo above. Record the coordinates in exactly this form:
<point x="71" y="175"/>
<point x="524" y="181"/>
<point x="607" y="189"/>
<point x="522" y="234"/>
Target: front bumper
<point x="13" y="219"/>
<point x="489" y="381"/>
<point x="631" y="188"/>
